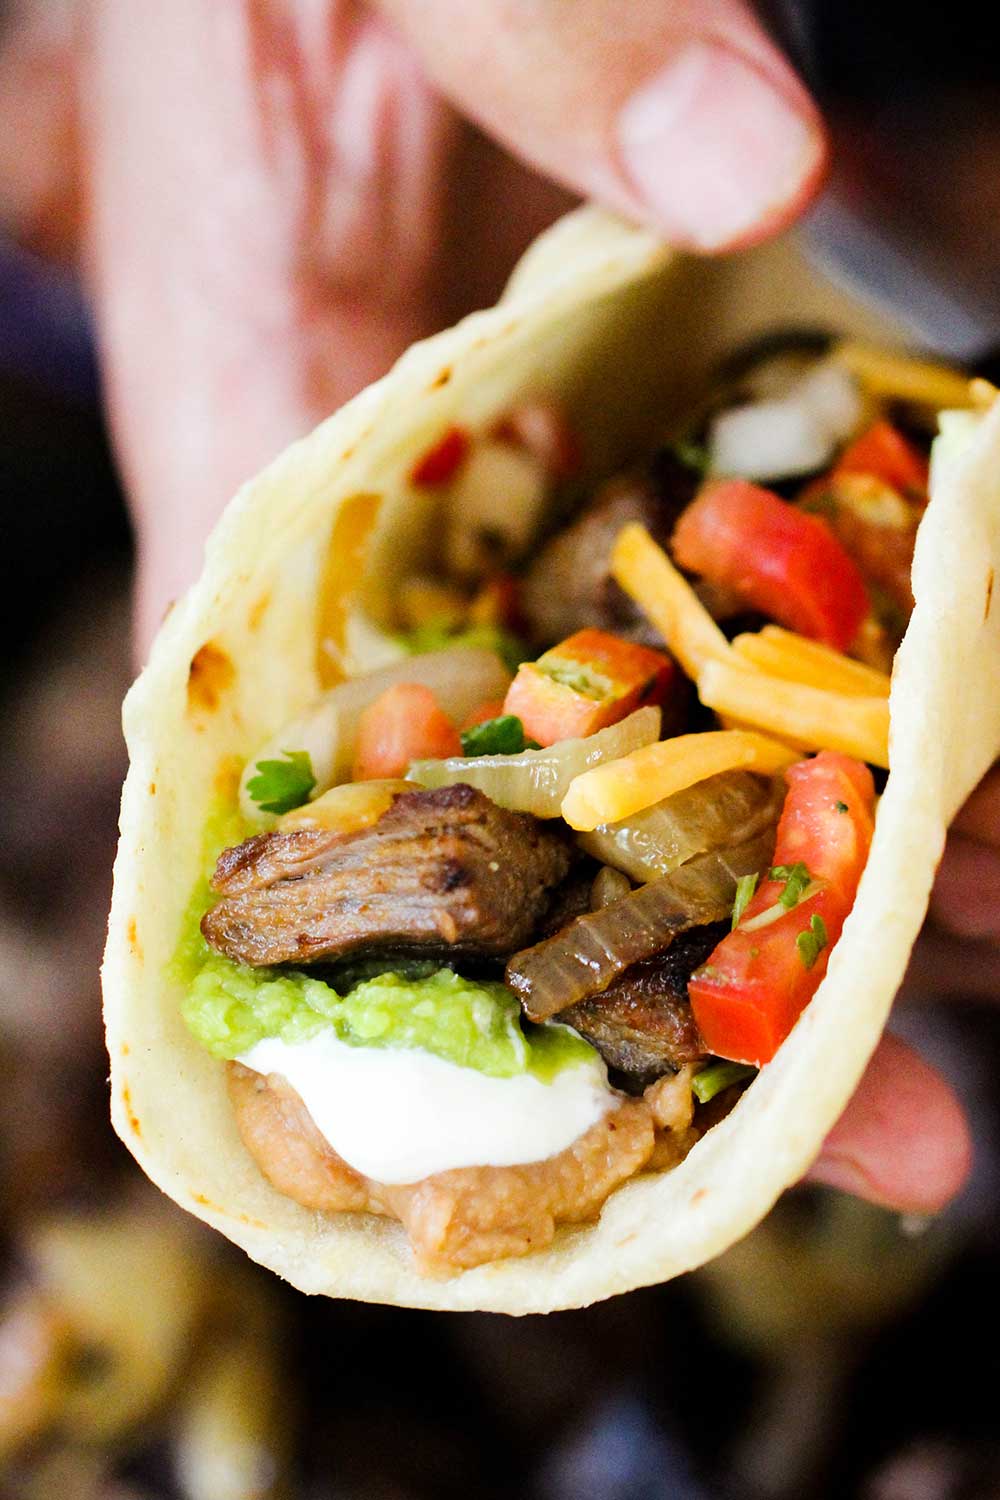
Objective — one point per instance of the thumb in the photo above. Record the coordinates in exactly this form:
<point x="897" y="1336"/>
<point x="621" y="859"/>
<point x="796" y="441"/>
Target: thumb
<point x="680" y="113"/>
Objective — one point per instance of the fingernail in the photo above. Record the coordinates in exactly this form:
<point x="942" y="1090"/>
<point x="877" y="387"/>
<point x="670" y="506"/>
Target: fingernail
<point x="713" y="149"/>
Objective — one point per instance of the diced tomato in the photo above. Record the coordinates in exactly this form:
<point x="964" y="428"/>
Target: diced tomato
<point x="757" y="982"/>
<point x="590" y="680"/>
<point x="875" y="524"/>
<point x="883" y="451"/>
<point x="442" y="462"/>
<point x="404" y="724"/>
<point x="486" y="711"/>
<point x="781" y="561"/>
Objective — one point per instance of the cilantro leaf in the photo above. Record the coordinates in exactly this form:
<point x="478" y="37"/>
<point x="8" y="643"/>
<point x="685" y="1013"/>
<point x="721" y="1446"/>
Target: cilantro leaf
<point x="503" y="735"/>
<point x="812" y="941"/>
<point x="745" y="887"/>
<point x="796" y="878"/>
<point x="283" y="784"/>
<point x="841" y="806"/>
<point x="711" y="1080"/>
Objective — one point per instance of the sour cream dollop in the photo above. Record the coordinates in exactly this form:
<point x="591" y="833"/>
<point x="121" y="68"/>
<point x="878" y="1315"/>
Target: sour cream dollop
<point x="399" y="1115"/>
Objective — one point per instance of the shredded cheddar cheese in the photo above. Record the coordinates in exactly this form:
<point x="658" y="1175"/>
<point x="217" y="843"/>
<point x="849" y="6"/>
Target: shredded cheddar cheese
<point x="901" y="377"/>
<point x="795" y="658"/>
<point x="648" y="576"/>
<point x="619" y="788"/>
<point x="817" y="717"/>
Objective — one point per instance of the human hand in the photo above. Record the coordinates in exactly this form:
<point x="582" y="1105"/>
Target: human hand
<point x="280" y="202"/>
<point x="270" y="188"/>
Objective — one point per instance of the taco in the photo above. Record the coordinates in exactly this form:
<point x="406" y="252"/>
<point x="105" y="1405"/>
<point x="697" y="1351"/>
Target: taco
<point x="505" y="909"/>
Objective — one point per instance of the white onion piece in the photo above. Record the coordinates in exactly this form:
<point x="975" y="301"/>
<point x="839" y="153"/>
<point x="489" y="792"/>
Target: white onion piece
<point x="833" y="395"/>
<point x="789" y="435"/>
<point x="537" y="780"/>
<point x="460" y="677"/>
<point x="494" y="506"/>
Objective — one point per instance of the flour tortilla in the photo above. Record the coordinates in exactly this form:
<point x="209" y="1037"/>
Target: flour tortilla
<point x="602" y="318"/>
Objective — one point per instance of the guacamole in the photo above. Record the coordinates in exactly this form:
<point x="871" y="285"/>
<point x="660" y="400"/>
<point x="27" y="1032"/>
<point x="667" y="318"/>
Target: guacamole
<point x="475" y="1024"/>
<point x="229" y="1006"/>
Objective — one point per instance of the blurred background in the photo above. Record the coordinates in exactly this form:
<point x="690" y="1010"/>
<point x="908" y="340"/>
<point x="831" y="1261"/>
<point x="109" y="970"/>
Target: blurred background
<point x="837" y="1352"/>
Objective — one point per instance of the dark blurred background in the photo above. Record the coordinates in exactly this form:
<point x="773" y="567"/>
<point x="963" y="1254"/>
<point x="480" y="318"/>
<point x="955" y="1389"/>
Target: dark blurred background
<point x="837" y="1352"/>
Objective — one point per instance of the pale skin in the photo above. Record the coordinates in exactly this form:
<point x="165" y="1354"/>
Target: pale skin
<point x="280" y="195"/>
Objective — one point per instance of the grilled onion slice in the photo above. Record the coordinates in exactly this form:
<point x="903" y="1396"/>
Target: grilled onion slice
<point x="589" y="952"/>
<point x="727" y="809"/>
<point x="536" y="781"/>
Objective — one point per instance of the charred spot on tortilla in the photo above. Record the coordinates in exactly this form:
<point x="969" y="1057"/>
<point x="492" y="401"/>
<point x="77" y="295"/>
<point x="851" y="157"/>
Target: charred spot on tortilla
<point x="210" y="676"/>
<point x="130" y="1113"/>
<point x="258" y="610"/>
<point x="346" y="554"/>
<point x="226" y="781"/>
<point x="132" y="933"/>
<point x="989" y="595"/>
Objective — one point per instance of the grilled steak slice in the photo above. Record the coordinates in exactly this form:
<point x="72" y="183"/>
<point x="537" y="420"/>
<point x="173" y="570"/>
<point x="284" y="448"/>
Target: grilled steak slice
<point x="571" y="899"/>
<point x="569" y="584"/>
<point x="642" y="1023"/>
<point x="444" y="870"/>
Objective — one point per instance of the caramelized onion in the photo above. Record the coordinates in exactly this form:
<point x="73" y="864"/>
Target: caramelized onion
<point x="591" y="951"/>
<point x="725" y="810"/>
<point x="536" y="781"/>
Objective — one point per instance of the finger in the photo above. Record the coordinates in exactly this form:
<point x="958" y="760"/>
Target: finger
<point x="903" y="1140"/>
<point x="980" y="817"/>
<point x="39" y="158"/>
<point x="966" y="895"/>
<point x="264" y="211"/>
<point x="679" y="112"/>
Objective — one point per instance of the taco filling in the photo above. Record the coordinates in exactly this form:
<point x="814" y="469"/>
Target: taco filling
<point x="521" y="913"/>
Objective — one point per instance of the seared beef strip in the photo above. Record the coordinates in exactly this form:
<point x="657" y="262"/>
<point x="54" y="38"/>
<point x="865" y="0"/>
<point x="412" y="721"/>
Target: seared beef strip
<point x="441" y="871"/>
<point x="642" y="1023"/>
<point x="573" y="898"/>
<point x="569" y="584"/>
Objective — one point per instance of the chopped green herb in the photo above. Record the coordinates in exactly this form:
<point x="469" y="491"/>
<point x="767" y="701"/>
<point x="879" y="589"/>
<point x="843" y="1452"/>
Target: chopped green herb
<point x="282" y="784"/>
<point x="691" y="455"/>
<point x="717" y="1076"/>
<point x="841" y="806"/>
<point x="812" y="942"/>
<point x="781" y="907"/>
<point x="439" y="635"/>
<point x="745" y="887"/>
<point x="579" y="676"/>
<point x="796" y="878"/>
<point x="501" y="736"/>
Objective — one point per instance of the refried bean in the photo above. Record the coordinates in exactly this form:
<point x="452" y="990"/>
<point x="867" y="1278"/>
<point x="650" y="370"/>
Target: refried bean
<point x="459" y="1218"/>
